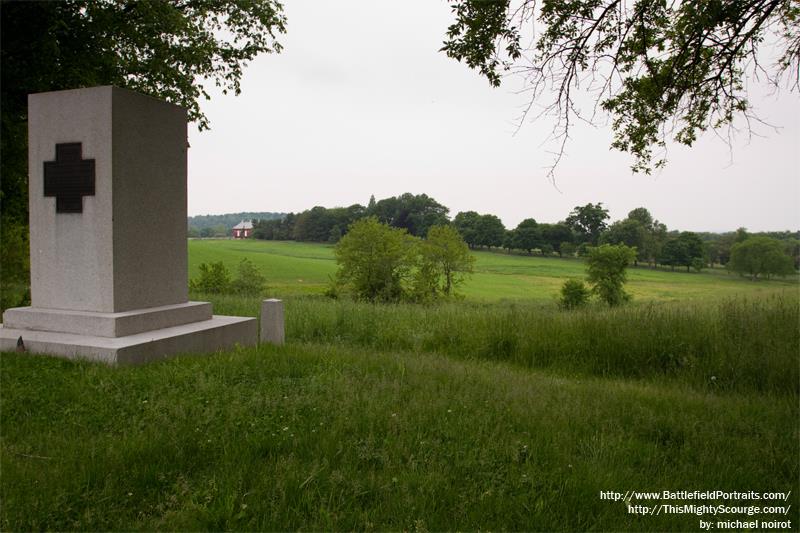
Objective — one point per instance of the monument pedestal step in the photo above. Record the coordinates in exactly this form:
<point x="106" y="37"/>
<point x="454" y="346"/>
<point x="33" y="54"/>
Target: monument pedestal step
<point x="219" y="332"/>
<point x="93" y="323"/>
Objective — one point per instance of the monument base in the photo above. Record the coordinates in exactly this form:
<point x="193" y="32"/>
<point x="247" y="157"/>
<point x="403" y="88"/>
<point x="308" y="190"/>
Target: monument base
<point x="217" y="333"/>
<point x="93" y="323"/>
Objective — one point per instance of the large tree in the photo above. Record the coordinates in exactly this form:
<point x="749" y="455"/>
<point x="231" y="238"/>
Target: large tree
<point x="467" y="223"/>
<point x="588" y="222"/>
<point x="659" y="69"/>
<point x="760" y="256"/>
<point x="639" y="231"/>
<point x="605" y="269"/>
<point x="480" y="230"/>
<point x="629" y="232"/>
<point x="444" y="262"/>
<point x="675" y="253"/>
<point x="413" y="212"/>
<point x="655" y="234"/>
<point x="171" y="50"/>
<point x="315" y="224"/>
<point x="526" y="236"/>
<point x="491" y="231"/>
<point x="555" y="235"/>
<point x="684" y="249"/>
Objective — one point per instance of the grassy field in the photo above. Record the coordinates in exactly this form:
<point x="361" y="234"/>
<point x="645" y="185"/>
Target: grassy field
<point x="293" y="268"/>
<point x="499" y="412"/>
<point x="736" y="344"/>
<point x="320" y="437"/>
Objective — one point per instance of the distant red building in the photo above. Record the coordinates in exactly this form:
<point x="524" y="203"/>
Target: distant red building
<point x="242" y="230"/>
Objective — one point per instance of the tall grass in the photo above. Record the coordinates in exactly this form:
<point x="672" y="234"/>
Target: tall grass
<point x="324" y="438"/>
<point x="735" y="344"/>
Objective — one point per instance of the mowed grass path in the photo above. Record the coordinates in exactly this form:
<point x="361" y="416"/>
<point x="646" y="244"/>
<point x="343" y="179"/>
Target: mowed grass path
<point x="293" y="268"/>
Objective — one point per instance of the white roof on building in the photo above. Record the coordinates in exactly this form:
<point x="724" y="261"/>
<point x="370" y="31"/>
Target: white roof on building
<point x="244" y="225"/>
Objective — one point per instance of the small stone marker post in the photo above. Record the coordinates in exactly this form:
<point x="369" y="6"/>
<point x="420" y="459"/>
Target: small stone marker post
<point x="272" y="322"/>
<point x="107" y="202"/>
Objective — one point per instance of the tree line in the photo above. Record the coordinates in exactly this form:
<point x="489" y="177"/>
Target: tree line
<point x="581" y="229"/>
<point x="414" y="213"/>
<point x="220" y="225"/>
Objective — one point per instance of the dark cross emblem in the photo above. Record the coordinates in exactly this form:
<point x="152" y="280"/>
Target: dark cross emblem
<point x="69" y="178"/>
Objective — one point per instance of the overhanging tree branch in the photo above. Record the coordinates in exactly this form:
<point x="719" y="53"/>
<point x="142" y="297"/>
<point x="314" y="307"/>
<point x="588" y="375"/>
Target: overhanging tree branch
<point x="658" y="69"/>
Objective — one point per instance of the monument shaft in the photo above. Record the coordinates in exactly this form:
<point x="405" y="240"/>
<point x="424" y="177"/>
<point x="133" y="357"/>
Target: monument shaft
<point x="109" y="262"/>
<point x="124" y="248"/>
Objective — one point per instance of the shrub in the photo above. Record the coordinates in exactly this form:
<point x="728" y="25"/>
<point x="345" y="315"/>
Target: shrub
<point x="606" y="271"/>
<point x="251" y="282"/>
<point x="574" y="294"/>
<point x="14" y="265"/>
<point x="214" y="279"/>
<point x="375" y="260"/>
<point x="443" y="262"/>
<point x="567" y="249"/>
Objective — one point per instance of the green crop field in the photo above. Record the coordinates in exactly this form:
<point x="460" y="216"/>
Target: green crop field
<point x="496" y="412"/>
<point x="293" y="268"/>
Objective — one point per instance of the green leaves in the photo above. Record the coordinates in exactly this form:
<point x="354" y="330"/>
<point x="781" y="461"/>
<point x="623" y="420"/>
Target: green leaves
<point x="605" y="269"/>
<point x="760" y="256"/>
<point x="574" y="294"/>
<point x="385" y="264"/>
<point x="444" y="261"/>
<point x="588" y="221"/>
<point x="477" y="34"/>
<point x="659" y="69"/>
<point x="215" y="278"/>
<point x="170" y="50"/>
<point x="375" y="260"/>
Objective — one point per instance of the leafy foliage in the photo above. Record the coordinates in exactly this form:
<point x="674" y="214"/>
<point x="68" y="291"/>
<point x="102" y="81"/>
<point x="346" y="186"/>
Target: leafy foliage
<point x="228" y="220"/>
<point x="567" y="249"/>
<point x="556" y="235"/>
<point x="375" y="260"/>
<point x="588" y="222"/>
<point x="414" y="213"/>
<point x="466" y="222"/>
<point x="638" y="230"/>
<point x="685" y="249"/>
<point x="166" y="49"/>
<point x="760" y="256"/>
<point x="281" y="229"/>
<point x="250" y="281"/>
<point x="605" y="267"/>
<point x="170" y="50"/>
<point x="658" y="68"/>
<point x="574" y="294"/>
<point x="474" y="36"/>
<point x="480" y="230"/>
<point x="14" y="265"/>
<point x="575" y="235"/>
<point x="526" y="236"/>
<point x="381" y="263"/>
<point x="444" y="261"/>
<point x="215" y="278"/>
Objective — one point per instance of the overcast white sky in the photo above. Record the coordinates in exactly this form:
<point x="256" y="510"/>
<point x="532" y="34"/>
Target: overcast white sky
<point x="361" y="102"/>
